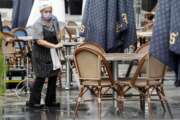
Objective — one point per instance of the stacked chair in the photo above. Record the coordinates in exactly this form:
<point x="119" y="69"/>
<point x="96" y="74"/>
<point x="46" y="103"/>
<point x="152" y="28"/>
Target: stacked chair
<point x="15" y="53"/>
<point x="88" y="62"/>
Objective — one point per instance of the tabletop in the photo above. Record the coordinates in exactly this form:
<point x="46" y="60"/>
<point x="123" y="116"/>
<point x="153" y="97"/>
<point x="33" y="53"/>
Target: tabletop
<point x="71" y="43"/>
<point x="119" y="56"/>
<point x="123" y="56"/>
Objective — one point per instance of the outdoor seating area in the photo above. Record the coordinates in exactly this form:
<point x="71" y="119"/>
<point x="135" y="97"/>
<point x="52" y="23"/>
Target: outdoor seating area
<point x="105" y="60"/>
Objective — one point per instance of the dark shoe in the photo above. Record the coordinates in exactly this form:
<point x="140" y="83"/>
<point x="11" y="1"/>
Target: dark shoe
<point x="53" y="105"/>
<point x="34" y="106"/>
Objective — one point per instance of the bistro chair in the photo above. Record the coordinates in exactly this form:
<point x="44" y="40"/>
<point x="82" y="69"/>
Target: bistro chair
<point x="13" y="57"/>
<point x="8" y="48"/>
<point x="6" y="29"/>
<point x="152" y="82"/>
<point x="25" y="47"/>
<point x="127" y="83"/>
<point x="20" y="32"/>
<point x="73" y="31"/>
<point x="68" y="33"/>
<point x="148" y="84"/>
<point x="88" y="64"/>
<point x="93" y="45"/>
<point x="152" y="69"/>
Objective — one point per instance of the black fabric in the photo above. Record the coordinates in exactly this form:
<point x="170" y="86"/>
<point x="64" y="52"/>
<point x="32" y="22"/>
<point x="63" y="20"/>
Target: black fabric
<point x="21" y="12"/>
<point x="50" y="36"/>
<point x="66" y="6"/>
<point x="110" y="23"/>
<point x="75" y="7"/>
<point x="35" y="96"/>
<point x="5" y="3"/>
<point x="177" y="72"/>
<point x="42" y="62"/>
<point x="165" y="45"/>
<point x="1" y="27"/>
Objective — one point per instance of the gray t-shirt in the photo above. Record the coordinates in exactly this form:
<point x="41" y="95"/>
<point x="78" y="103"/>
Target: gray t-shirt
<point x="37" y="28"/>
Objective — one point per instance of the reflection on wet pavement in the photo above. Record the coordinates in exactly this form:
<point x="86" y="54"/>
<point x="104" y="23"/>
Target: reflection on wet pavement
<point x="13" y="108"/>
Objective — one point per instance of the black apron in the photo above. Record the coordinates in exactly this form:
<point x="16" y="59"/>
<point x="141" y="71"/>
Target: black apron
<point x="42" y="62"/>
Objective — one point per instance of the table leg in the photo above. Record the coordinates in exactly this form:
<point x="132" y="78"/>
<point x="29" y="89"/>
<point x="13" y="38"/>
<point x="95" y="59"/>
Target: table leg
<point x="115" y="77"/>
<point x="67" y="75"/>
<point x="68" y="69"/>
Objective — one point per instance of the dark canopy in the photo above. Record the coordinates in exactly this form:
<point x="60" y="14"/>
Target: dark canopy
<point x="165" y="43"/>
<point x="21" y="12"/>
<point x="5" y="3"/>
<point x="111" y="23"/>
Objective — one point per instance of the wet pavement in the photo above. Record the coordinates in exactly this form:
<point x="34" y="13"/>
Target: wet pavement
<point x="13" y="107"/>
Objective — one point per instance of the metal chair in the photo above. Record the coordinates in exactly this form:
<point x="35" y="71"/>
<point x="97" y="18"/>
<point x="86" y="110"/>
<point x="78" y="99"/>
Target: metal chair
<point x="88" y="64"/>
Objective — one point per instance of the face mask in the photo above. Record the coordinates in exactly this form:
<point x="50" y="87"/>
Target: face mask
<point x="47" y="16"/>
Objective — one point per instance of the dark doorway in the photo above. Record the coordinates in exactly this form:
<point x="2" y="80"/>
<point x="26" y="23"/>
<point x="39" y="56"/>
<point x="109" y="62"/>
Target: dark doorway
<point x="148" y="5"/>
<point x="6" y="3"/>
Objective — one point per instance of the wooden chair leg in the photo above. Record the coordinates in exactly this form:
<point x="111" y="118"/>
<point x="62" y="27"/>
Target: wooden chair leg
<point x="78" y="102"/>
<point x="161" y="100"/>
<point x="142" y="93"/>
<point x="120" y="103"/>
<point x="166" y="102"/>
<point x="120" y="99"/>
<point x="142" y="102"/>
<point x="169" y="109"/>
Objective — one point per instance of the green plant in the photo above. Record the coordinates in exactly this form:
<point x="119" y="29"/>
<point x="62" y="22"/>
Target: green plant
<point x="2" y="68"/>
